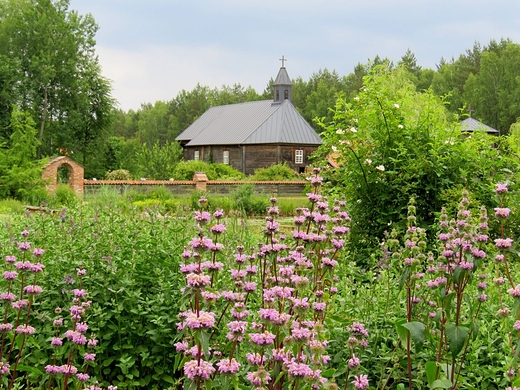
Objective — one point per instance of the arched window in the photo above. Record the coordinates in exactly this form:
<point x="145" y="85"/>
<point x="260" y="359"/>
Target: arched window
<point x="277" y="95"/>
<point x="286" y="94"/>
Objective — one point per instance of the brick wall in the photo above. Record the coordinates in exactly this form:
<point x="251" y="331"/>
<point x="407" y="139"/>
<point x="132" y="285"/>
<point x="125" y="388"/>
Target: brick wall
<point x="268" y="188"/>
<point x="50" y="174"/>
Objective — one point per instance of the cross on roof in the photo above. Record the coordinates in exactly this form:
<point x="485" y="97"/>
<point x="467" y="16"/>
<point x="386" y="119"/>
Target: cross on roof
<point x="283" y="59"/>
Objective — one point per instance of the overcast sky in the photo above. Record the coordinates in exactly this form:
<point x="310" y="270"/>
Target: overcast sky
<point x="153" y="49"/>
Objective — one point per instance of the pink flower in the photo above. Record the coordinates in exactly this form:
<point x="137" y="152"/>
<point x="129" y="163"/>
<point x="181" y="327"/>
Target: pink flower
<point x="10" y="259"/>
<point x="502" y="212"/>
<point x="218" y="229"/>
<point x="79" y="292"/>
<point x="7" y="296"/>
<point x="259" y="378"/>
<point x="6" y="327"/>
<point x="68" y="369"/>
<point x="89" y="357"/>
<point x="38" y="252"/>
<point x="504" y="242"/>
<point x="197" y="280"/>
<point x="228" y="366"/>
<point x="56" y="342"/>
<point x="82" y="377"/>
<point x="501" y="188"/>
<point x="33" y="290"/>
<point x="360" y="382"/>
<point x="193" y="370"/>
<point x="52" y="369"/>
<point x="354" y="361"/>
<point x="265" y="338"/>
<point x="10" y="275"/>
<point x="299" y="369"/>
<point x="81" y="327"/>
<point x="515" y="292"/>
<point x="181" y="346"/>
<point x="24" y="246"/>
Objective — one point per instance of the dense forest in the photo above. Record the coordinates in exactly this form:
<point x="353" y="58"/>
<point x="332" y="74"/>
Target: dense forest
<point x="55" y="98"/>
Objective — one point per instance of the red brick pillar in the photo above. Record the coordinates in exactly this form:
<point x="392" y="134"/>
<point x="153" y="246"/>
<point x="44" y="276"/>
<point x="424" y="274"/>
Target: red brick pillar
<point x="200" y="180"/>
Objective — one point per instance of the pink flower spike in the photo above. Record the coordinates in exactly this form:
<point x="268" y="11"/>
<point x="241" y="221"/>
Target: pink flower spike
<point x="360" y="382"/>
<point x="501" y="188"/>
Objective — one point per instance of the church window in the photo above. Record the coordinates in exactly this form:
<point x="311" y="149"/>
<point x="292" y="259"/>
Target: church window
<point x="286" y="94"/>
<point x="298" y="156"/>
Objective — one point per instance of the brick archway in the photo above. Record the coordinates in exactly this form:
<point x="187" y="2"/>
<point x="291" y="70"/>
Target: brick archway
<point x="50" y="174"/>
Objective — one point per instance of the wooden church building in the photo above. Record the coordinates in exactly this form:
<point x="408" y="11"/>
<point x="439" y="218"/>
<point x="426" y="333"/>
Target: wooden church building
<point x="255" y="134"/>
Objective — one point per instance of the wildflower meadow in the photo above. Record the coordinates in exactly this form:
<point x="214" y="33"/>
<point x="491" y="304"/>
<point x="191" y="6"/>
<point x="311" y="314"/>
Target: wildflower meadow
<point x="107" y="297"/>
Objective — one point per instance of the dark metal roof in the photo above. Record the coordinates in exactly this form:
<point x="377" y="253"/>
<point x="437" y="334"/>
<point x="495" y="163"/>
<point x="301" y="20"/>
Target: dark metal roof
<point x="283" y="77"/>
<point x="471" y="124"/>
<point x="260" y="122"/>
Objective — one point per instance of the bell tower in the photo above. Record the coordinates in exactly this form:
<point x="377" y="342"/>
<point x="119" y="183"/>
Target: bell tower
<point x="282" y="84"/>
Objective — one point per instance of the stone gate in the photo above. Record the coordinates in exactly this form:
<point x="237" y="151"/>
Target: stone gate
<point x="76" y="172"/>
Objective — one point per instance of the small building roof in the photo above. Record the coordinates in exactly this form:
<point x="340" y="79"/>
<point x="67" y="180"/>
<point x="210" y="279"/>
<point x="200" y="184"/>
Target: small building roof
<point x="471" y="124"/>
<point x="259" y="122"/>
<point x="283" y="77"/>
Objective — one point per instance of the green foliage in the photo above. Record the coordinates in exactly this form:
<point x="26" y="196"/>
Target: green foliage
<point x="159" y="205"/>
<point x="186" y="169"/>
<point x="393" y="143"/>
<point x="11" y="206"/>
<point x="118" y="174"/>
<point x="249" y="203"/>
<point x="159" y="162"/>
<point x="160" y="193"/>
<point x="133" y="280"/>
<point x="275" y="172"/>
<point x="64" y="196"/>
<point x="54" y="75"/>
<point x="226" y="172"/>
<point x="20" y="174"/>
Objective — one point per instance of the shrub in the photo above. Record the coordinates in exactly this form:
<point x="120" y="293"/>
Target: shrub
<point x="226" y="172"/>
<point x="10" y="206"/>
<point x="159" y="192"/>
<point x="186" y="169"/>
<point x="275" y="172"/>
<point x="64" y="196"/>
<point x="246" y="201"/>
<point x="393" y="143"/>
<point x="118" y="174"/>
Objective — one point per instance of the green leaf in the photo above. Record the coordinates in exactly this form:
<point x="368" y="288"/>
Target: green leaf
<point x="441" y="384"/>
<point x="168" y="378"/>
<point x="417" y="332"/>
<point x="448" y="299"/>
<point x="32" y="370"/>
<point x="190" y="385"/>
<point x="456" y="336"/>
<point x="402" y="332"/>
<point x="431" y="372"/>
<point x="203" y="338"/>
<point x="404" y="277"/>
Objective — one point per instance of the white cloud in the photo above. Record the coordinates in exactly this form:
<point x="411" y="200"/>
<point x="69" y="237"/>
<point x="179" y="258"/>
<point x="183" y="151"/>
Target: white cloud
<point x="161" y="72"/>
